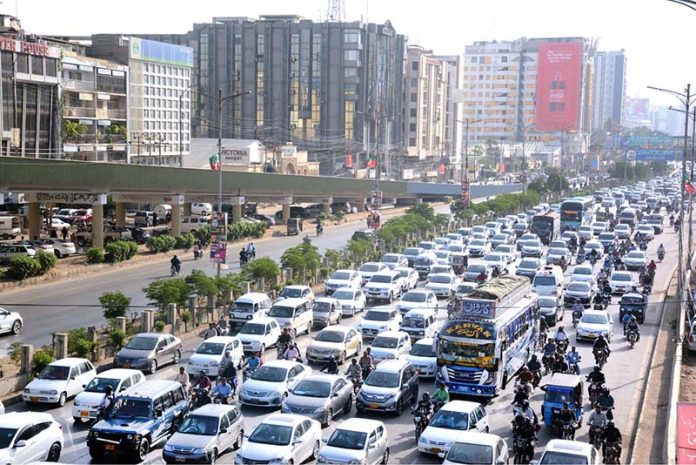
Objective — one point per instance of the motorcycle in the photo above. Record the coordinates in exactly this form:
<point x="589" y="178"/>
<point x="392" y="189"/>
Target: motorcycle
<point x="581" y="259"/>
<point x="567" y="430"/>
<point x="523" y="449"/>
<point x="577" y="314"/>
<point x="632" y="337"/>
<point x="537" y="378"/>
<point x="280" y="350"/>
<point x="542" y="339"/>
<point x="357" y="384"/>
<point x="421" y="418"/>
<point x="593" y="260"/>
<point x="175" y="270"/>
<point x="320" y="230"/>
<point x="547" y="361"/>
<point x="643" y="246"/>
<point x="593" y="391"/>
<point x="200" y="397"/>
<point x="596" y="436"/>
<point x="660" y="255"/>
<point x="601" y="358"/>
<point x="561" y="345"/>
<point x="197" y="254"/>
<point x="611" y="453"/>
<point x="247" y="373"/>
<point x="366" y="370"/>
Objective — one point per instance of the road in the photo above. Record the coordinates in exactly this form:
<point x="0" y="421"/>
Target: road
<point x="623" y="374"/>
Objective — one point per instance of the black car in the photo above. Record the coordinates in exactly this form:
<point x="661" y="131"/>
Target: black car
<point x="140" y="235"/>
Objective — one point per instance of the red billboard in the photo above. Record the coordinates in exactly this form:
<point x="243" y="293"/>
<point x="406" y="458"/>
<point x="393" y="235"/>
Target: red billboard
<point x="686" y="432"/>
<point x="558" y="86"/>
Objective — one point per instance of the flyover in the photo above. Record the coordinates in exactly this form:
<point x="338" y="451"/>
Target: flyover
<point x="62" y="181"/>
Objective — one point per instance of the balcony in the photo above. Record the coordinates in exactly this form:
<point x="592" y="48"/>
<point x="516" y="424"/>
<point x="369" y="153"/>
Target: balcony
<point x="79" y="112"/>
<point x="78" y="86"/>
<point x="111" y="114"/>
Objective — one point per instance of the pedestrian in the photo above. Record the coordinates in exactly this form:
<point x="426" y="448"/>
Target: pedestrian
<point x="169" y="217"/>
<point x="154" y="219"/>
<point x="64" y="232"/>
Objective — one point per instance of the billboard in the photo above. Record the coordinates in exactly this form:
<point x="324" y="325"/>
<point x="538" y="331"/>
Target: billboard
<point x="638" y="108"/>
<point x="657" y="155"/>
<point x="558" y="86"/>
<point x="160" y="52"/>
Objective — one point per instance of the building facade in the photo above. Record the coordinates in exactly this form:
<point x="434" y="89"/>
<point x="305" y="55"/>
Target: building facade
<point x="159" y="104"/>
<point x="609" y="89"/>
<point x="453" y="105"/>
<point x="321" y="86"/>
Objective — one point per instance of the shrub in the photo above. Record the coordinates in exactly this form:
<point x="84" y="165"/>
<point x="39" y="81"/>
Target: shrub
<point x="162" y="243"/>
<point x="15" y="352"/>
<point x="24" y="266"/>
<point x="158" y="326"/>
<point x="186" y="317"/>
<point x="168" y="291"/>
<point x="132" y="248"/>
<point x="263" y="267"/>
<point x="114" y="304"/>
<point x="119" y="251"/>
<point x="83" y="348"/>
<point x="185" y="241"/>
<point x="41" y="359"/>
<point x="117" y="338"/>
<point x="96" y="255"/>
<point x="78" y="344"/>
<point x="244" y="229"/>
<point x="202" y="235"/>
<point x="46" y="261"/>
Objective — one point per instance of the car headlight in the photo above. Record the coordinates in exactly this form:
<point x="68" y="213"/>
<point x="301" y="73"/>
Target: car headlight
<point x="168" y="448"/>
<point x="280" y="460"/>
<point x="391" y="356"/>
<point x="320" y="410"/>
<point x="238" y="459"/>
<point x="53" y="392"/>
<point x="212" y="364"/>
<point x="388" y="396"/>
<point x="199" y="451"/>
<point x="76" y="403"/>
<point x="27" y="391"/>
<point x="321" y="459"/>
<point x="423" y="440"/>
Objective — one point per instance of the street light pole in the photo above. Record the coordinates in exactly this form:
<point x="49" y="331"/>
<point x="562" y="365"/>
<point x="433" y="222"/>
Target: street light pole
<point x="465" y="158"/>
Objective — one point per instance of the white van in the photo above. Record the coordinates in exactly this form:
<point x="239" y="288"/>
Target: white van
<point x="249" y="306"/>
<point x="295" y="313"/>
<point x="162" y="210"/>
<point x="10" y="227"/>
<point x="201" y="209"/>
<point x="192" y="223"/>
<point x="420" y="323"/>
<point x="548" y="281"/>
<point x="424" y="262"/>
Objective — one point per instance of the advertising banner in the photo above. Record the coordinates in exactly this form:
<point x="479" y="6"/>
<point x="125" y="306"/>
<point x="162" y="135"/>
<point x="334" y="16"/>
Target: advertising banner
<point x="686" y="432"/>
<point x="558" y="86"/>
<point x="657" y="155"/>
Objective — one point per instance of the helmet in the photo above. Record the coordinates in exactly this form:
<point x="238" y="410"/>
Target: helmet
<point x="610" y="424"/>
<point x="524" y="368"/>
<point x="525" y="403"/>
<point x="565" y="404"/>
<point x="333" y="359"/>
<point x="597" y="369"/>
<point x="426" y="397"/>
<point x="108" y="390"/>
<point x="534" y="357"/>
<point x="561" y="330"/>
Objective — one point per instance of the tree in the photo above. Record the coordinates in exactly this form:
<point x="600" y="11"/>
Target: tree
<point x="263" y="267"/>
<point x="114" y="304"/>
<point x="168" y="291"/>
<point x="423" y="210"/>
<point x="303" y="259"/>
<point x="201" y="283"/>
<point x="556" y="182"/>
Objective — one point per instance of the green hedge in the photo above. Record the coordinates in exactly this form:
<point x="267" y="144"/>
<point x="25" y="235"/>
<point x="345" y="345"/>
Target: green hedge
<point x="185" y="241"/>
<point x="161" y="243"/>
<point x="41" y="359"/>
<point x="119" y="251"/>
<point x="96" y="255"/>
<point x="24" y="266"/>
<point x="244" y="229"/>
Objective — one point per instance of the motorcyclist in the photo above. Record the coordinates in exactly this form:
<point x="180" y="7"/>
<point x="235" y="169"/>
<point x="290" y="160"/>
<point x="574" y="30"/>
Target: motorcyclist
<point x="320" y="228"/>
<point x="366" y="362"/>
<point x="176" y="264"/>
<point x="202" y="382"/>
<point x="292" y="353"/>
<point x="600" y="344"/>
<point x="596" y="422"/>
<point x="331" y="367"/>
<point x="593" y="256"/>
<point x="223" y="325"/>
<point x="596" y="376"/>
<point x="251" y="250"/>
<point x="577" y="311"/>
<point x="210" y="332"/>
<point x="354" y="372"/>
<point x="611" y="435"/>
<point x="598" y="299"/>
<point x="543" y="325"/>
<point x="222" y="391"/>
<point x="107" y="404"/>
<point x="252" y="363"/>
<point x="566" y="415"/>
<point x="441" y="394"/>
<point x="561" y="338"/>
<point x="424" y="405"/>
<point x="563" y="263"/>
<point x="481" y="278"/>
<point x="661" y="251"/>
<point x="602" y="276"/>
<point x="526" y="411"/>
<point x="522" y="427"/>
<point x="606" y="401"/>
<point x="526" y="375"/>
<point x="285" y="339"/>
<point x="652" y="266"/>
<point x="549" y="351"/>
<point x="574" y="358"/>
<point x="560" y="365"/>
<point x="631" y="324"/>
<point x="243" y="257"/>
<point x="535" y="368"/>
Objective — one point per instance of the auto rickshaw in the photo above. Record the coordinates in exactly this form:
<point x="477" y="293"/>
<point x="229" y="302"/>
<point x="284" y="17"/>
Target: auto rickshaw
<point x="634" y="304"/>
<point x="295" y="226"/>
<point x="459" y="261"/>
<point x="560" y="389"/>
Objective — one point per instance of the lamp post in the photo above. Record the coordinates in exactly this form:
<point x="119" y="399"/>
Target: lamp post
<point x="181" y="131"/>
<point x="524" y="154"/>
<point x="465" y="158"/>
<point x="691" y="176"/>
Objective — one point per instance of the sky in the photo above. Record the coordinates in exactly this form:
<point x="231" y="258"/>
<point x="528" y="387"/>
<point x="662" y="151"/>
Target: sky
<point x="653" y="33"/>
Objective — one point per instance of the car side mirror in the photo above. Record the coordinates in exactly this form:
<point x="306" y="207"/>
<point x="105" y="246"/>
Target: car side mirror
<point x="159" y="349"/>
<point x="158" y="412"/>
<point x="404" y="386"/>
<point x="372" y="445"/>
<point x="324" y="440"/>
<point x="72" y="378"/>
<point x="21" y="443"/>
<point x="84" y="386"/>
<point x="223" y="430"/>
<point x="441" y="454"/>
<point x="296" y="443"/>
<point x="534" y="462"/>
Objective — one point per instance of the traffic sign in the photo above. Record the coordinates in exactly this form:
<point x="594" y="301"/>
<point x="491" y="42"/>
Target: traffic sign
<point x="631" y="155"/>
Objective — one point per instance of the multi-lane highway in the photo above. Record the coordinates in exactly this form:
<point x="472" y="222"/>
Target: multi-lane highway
<point x="623" y="370"/>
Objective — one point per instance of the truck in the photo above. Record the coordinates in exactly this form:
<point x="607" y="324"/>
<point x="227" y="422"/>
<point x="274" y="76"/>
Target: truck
<point x="546" y="226"/>
<point x="114" y="233"/>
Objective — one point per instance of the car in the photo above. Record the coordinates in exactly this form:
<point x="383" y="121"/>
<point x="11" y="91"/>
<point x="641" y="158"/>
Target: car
<point x="61" y="248"/>
<point x="550" y="307"/>
<point x="556" y="255"/>
<point x="569" y="235"/>
<point x="384" y="285"/>
<point x="450" y="421"/>
<point x="440" y="269"/>
<point x="599" y="227"/>
<point x="500" y="239"/>
<point x="508" y="251"/>
<point x="10" y="322"/>
<point x="268" y="385"/>
<point x="496" y="260"/>
<point x="210" y="353"/>
<point x="297" y="292"/>
<point x="321" y="397"/>
<point x="391" y="386"/>
<point x="351" y="300"/>
<point x="417" y="298"/>
<point x="646" y="231"/>
<point x="558" y="243"/>
<point x="393" y="260"/>
<point x="532" y="248"/>
<point x="9" y="251"/>
<point x="30" y="437"/>
<point x="474" y="270"/>
<point x="258" y="334"/>
<point x="621" y="282"/>
<point x="59" y="381"/>
<point x="58" y="224"/>
<point x="635" y="260"/>
<point x="464" y="289"/>
<point x="656" y="222"/>
<point x="86" y="404"/>
<point x="370" y="268"/>
<point x="622" y="231"/>
<point x="594" y="245"/>
<point x="520" y="228"/>
<point x="423" y="357"/>
<point x="342" y="278"/>
<point x="357" y="440"/>
<point x="455" y="239"/>
<point x="149" y="351"/>
<point x="205" y="434"/>
<point x="442" y="242"/>
<point x="593" y="323"/>
<point x="457" y="247"/>
<point x="410" y="277"/>
<point x="478" y="448"/>
<point x="339" y="342"/>
<point x="584" y="273"/>
<point x="479" y="247"/>
<point x="578" y="292"/>
<point x="479" y="230"/>
<point x="528" y="267"/>
<point x="525" y="237"/>
<point x="379" y="319"/>
<point x="443" y="285"/>
<point x="585" y="232"/>
<point x="607" y="239"/>
<point x="443" y="256"/>
<point x="559" y="451"/>
<point x="493" y="228"/>
<point x="294" y="313"/>
<point x="282" y="438"/>
<point x="411" y="253"/>
<point x="390" y="345"/>
<point x="326" y="311"/>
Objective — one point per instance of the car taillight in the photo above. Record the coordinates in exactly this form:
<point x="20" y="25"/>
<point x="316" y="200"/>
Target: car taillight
<point x="691" y="337"/>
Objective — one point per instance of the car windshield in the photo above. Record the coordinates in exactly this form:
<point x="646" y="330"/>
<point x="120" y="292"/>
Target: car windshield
<point x="594" y="319"/>
<point x="583" y="271"/>
<point x="450" y="420"/>
<point x="312" y="388"/>
<point x="383" y="379"/>
<point x="544" y="281"/>
<point x="379" y="278"/>
<point x="321" y="306"/>
<point x="279" y="311"/>
<point x="128" y="408"/>
<point x="243" y="307"/>
<point x="547" y="301"/>
<point x="579" y="287"/>
<point x="142" y="343"/>
<point x="476" y="269"/>
<point x="6" y="435"/>
<point x="414" y="297"/>
<point x="504" y="249"/>
<point x="606" y="237"/>
<point x="329" y="336"/>
<point x="99" y="384"/>
<point x="390" y="259"/>
<point x="621" y="277"/>
<point x="557" y="251"/>
<point x="199" y="425"/>
<point x="442" y="254"/>
<point x="385" y="342"/>
<point x="343" y="295"/>
<point x="253" y="328"/>
<point x="290" y="293"/>
<point x="500" y="237"/>
<point x="370" y="268"/>
<point x="423" y="350"/>
<point x="440" y="279"/>
<point x="471" y="454"/>
<point x="413" y="322"/>
<point x="211" y="348"/>
<point x="276" y="435"/>
<point x="585" y="229"/>
<point x="345" y="439"/>
<point x="412" y="251"/>
<point x="55" y="372"/>
<point x="532" y="244"/>
<point x="528" y="264"/>
<point x="477" y="243"/>
<point x="342" y="275"/>
<point x="271" y="374"/>
<point x="640" y="255"/>
<point x="377" y="316"/>
<point x="562" y="458"/>
<point x="465" y="288"/>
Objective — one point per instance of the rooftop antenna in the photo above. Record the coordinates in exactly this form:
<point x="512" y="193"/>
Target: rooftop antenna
<point x="336" y="11"/>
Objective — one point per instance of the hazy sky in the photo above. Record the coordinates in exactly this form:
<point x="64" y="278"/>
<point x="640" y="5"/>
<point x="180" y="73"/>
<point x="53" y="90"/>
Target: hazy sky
<point x="654" y="33"/>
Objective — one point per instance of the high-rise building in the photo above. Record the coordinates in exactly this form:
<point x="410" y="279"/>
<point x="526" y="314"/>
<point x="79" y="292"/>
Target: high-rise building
<point x="609" y="89"/>
<point x="454" y="73"/>
<point x="667" y="120"/>
<point x="322" y="86"/>
<point x="538" y="88"/>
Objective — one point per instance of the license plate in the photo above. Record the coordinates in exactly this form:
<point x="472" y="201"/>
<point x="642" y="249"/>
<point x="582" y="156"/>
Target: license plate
<point x="374" y="405"/>
<point x="84" y="413"/>
<point x="34" y="399"/>
<point x="435" y="450"/>
<point x="419" y="370"/>
<point x="180" y="459"/>
<point x="110" y="447"/>
<point x="126" y="365"/>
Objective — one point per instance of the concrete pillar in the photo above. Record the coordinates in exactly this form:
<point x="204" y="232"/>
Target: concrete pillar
<point x="326" y="206"/>
<point x="27" y="362"/>
<point x="35" y="220"/>
<point x="61" y="345"/>
<point x="286" y="202"/>
<point x="171" y="316"/>
<point x="176" y="220"/>
<point x="211" y="308"/>
<point x="361" y="203"/>
<point x="237" y="204"/>
<point x="121" y="323"/>
<point x="246" y="287"/>
<point x="97" y="225"/>
<point x="187" y="209"/>
<point x="148" y="320"/>
<point x="120" y="214"/>
<point x="287" y="274"/>
<point x="260" y="284"/>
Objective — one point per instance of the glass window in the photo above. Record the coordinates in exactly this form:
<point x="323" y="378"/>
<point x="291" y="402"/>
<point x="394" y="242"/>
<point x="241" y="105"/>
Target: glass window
<point x="224" y="423"/>
<point x="351" y="55"/>
<point x="414" y="65"/>
<point x="351" y="36"/>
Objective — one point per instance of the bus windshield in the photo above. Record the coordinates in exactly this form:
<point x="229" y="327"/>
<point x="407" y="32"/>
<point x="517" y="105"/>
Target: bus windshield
<point x="571" y="211"/>
<point x="466" y="353"/>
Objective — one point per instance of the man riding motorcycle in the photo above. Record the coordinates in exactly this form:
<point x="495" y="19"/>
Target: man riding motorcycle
<point x="661" y="252"/>
<point x="107" y="404"/>
<point x="561" y="339"/>
<point x="600" y="345"/>
<point x="606" y="402"/>
<point x="611" y="436"/>
<point x="560" y="365"/>
<point x="331" y="367"/>
<point x="567" y="416"/>
<point x="534" y="367"/>
<point x="573" y="358"/>
<point x="522" y="428"/>
<point x="526" y="411"/>
<point x="596" y="379"/>
<point x="222" y="391"/>
<point x="366" y="363"/>
<point x="354" y="373"/>
<point x="549" y="352"/>
<point x="176" y="264"/>
<point x="577" y="312"/>
<point x="630" y="322"/>
<point x="596" y="422"/>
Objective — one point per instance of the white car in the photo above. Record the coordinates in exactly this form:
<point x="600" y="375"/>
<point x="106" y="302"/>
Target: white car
<point x="370" y="268"/>
<point x="646" y="231"/>
<point x="410" y="277"/>
<point x="622" y="231"/>
<point x="281" y="439"/>
<point x="86" y="404"/>
<point x="442" y="242"/>
<point x="507" y="251"/>
<point x="60" y="380"/>
<point x="465" y="288"/>
<point x="479" y="247"/>
<point x="443" y="257"/>
<point x="455" y="238"/>
<point x="584" y="273"/>
<point x="61" y="248"/>
<point x="10" y="322"/>
<point x="532" y="248"/>
<point x="622" y="281"/>
<point x="635" y="260"/>
<point x="394" y="260"/>
<point x="585" y="232"/>
<point x="357" y="441"/>
<point x="598" y="227"/>
<point x="269" y="383"/>
<point x="379" y="319"/>
<point x="58" y="224"/>
<point x="343" y="278"/>
<point x="442" y="284"/>
<point x="296" y="292"/>
<point x="210" y="353"/>
<point x="496" y="260"/>
<point x="339" y="342"/>
<point x="258" y="334"/>
<point x="555" y="255"/>
<point x="564" y="451"/>
<point x="478" y="448"/>
<point x="30" y="437"/>
<point x="423" y="357"/>
<point x="449" y="422"/>
<point x="593" y="323"/>
<point x="417" y="298"/>
<point x="385" y="285"/>
<point x="390" y="345"/>
<point x="351" y="300"/>
<point x="439" y="269"/>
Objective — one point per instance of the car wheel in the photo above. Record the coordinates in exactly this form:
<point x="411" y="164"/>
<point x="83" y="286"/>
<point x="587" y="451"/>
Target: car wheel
<point x="153" y="367"/>
<point x="385" y="458"/>
<point x="240" y="439"/>
<point x="315" y="450"/>
<point x="177" y="356"/>
<point x="342" y="360"/>
<point x="329" y="418"/>
<point x="348" y="406"/>
<point x="213" y="457"/>
<point x="263" y="348"/>
<point x="143" y="449"/>
<point x="16" y="327"/>
<point x="63" y="397"/>
<point x="54" y="452"/>
<point x="77" y="420"/>
<point x="57" y="253"/>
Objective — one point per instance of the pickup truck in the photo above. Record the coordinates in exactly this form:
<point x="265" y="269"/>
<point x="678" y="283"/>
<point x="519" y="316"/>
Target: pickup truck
<point x="84" y="238"/>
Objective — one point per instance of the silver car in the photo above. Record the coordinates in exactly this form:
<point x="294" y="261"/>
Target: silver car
<point x="321" y="397"/>
<point x="205" y="434"/>
<point x="357" y="440"/>
<point x="326" y="311"/>
<point x="148" y="351"/>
